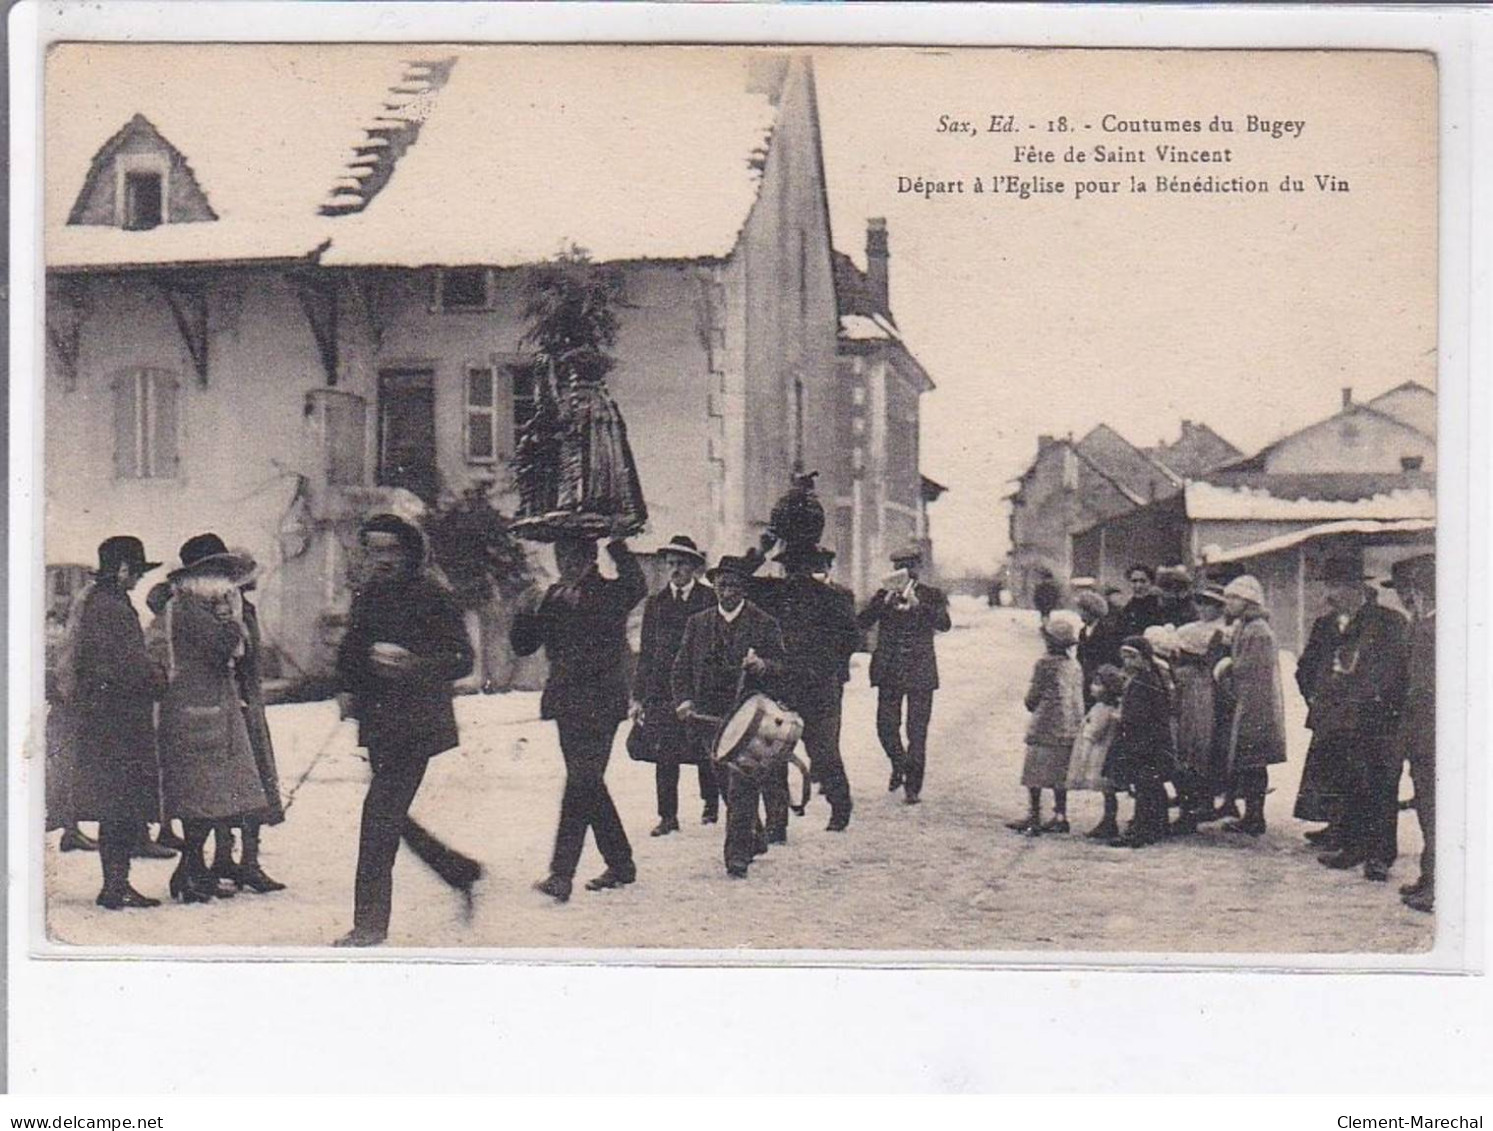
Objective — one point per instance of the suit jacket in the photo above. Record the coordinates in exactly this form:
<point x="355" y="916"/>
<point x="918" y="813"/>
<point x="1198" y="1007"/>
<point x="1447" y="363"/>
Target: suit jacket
<point x="707" y="668"/>
<point x="410" y="716"/>
<point x="583" y="631"/>
<point x="905" y="658"/>
<point x="664" y="619"/>
<point x="1361" y="685"/>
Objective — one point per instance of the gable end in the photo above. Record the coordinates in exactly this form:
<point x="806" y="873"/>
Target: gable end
<point x="139" y="148"/>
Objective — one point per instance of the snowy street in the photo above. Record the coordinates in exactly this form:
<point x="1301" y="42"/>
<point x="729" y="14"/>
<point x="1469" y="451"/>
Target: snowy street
<point x="945" y="875"/>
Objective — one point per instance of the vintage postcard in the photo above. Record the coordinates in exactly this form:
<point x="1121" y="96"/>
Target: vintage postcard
<point x="934" y="504"/>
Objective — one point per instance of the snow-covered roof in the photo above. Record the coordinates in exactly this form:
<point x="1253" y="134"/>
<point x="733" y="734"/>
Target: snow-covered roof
<point x="867" y="328"/>
<point x="523" y="152"/>
<point x="1324" y="530"/>
<point x="1211" y="501"/>
<point x="266" y="129"/>
<point x="528" y="150"/>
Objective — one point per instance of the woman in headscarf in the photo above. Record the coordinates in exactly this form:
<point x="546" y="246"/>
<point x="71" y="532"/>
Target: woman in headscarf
<point x="1257" y="736"/>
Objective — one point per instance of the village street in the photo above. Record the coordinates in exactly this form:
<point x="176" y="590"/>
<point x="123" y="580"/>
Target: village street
<point x="945" y="875"/>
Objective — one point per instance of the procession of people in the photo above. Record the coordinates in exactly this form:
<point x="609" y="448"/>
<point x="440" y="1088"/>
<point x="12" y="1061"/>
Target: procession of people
<point x="1173" y="698"/>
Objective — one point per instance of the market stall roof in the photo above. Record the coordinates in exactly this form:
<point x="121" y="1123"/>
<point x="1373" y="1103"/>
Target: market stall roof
<point x="1371" y="527"/>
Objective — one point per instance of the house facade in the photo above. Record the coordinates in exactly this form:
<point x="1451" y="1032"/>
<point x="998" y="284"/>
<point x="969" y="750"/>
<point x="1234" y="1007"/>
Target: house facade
<point x="881" y="497"/>
<point x="277" y="367"/>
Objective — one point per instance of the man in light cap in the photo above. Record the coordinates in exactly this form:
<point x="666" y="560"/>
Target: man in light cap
<point x="1414" y="580"/>
<point x="904" y="667"/>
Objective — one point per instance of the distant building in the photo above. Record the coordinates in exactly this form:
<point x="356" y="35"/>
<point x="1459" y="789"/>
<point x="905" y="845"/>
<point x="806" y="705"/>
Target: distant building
<point x="1070" y="486"/>
<point x="1391" y="433"/>
<point x="270" y="324"/>
<point x="880" y="384"/>
<point x="1196" y="451"/>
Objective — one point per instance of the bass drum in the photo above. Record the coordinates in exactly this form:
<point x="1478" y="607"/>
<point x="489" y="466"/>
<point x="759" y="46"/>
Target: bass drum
<point x="759" y="737"/>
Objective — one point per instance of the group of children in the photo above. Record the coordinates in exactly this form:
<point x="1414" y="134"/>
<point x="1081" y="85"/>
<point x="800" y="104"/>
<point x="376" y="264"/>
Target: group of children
<point x="1165" y="714"/>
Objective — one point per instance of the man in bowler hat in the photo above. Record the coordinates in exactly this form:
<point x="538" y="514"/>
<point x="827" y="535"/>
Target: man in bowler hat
<point x="904" y="667"/>
<point x="665" y="614"/>
<point x="1355" y="712"/>
<point x="405" y="645"/>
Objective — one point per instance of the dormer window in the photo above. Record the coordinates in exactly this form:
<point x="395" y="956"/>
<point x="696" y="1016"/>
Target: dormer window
<point x="140" y="191"/>
<point x="1412" y="463"/>
<point x="142" y="201"/>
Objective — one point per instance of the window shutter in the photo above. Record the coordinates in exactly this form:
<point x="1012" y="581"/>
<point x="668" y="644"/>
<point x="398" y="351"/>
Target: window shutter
<point x="126" y="465"/>
<point x="164" y="398"/>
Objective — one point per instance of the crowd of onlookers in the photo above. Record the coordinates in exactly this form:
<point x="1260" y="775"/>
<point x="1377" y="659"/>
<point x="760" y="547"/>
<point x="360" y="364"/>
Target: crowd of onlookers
<point x="1172" y="694"/>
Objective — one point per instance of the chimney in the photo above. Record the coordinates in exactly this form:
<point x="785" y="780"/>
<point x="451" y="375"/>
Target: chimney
<point x="1347" y="396"/>
<point x="1043" y="443"/>
<point x="876" y="260"/>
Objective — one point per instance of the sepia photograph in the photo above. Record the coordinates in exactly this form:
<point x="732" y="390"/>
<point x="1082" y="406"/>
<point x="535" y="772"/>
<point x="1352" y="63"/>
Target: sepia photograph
<point x="728" y="501"/>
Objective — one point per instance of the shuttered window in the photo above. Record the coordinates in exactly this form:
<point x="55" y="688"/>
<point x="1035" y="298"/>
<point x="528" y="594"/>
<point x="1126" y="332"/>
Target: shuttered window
<point x="482" y="414"/>
<point x="146" y="424"/>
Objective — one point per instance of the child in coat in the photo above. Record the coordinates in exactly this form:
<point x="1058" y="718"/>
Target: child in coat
<point x="1086" y="770"/>
<point x="1055" y="699"/>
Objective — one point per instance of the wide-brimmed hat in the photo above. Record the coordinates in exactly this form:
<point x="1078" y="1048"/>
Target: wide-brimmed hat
<point x="1342" y="571"/>
<point x="1412" y="573"/>
<point x="684" y="546"/>
<point x="123" y="549"/>
<point x="206" y="555"/>
<point x="1246" y="588"/>
<point x="1173" y="579"/>
<point x="730" y="563"/>
<point x="1062" y="627"/>
<point x="1162" y="638"/>
<point x="1210" y="593"/>
<point x="1196" y="637"/>
<point x="909" y="554"/>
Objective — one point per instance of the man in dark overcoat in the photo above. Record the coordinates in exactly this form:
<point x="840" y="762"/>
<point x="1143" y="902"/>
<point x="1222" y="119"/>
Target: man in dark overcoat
<point x="1414" y="580"/>
<point x="582" y="626"/>
<point x="819" y="636"/>
<point x="1323" y="790"/>
<point x="729" y="652"/>
<point x="115" y="685"/>
<point x="904" y="668"/>
<point x="1145" y="608"/>
<point x="405" y="645"/>
<point x="665" y="740"/>
<point x="1355" y="713"/>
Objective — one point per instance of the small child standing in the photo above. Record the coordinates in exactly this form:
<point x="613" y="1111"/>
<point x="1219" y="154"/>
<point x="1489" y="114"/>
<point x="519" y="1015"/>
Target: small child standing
<point x="1086" y="770"/>
<point x="1055" y="699"/>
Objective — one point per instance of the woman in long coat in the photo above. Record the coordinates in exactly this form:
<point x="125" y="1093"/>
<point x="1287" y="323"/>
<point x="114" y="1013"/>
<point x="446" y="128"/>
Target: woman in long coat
<point x="1257" y="738"/>
<point x="114" y="688"/>
<point x="208" y="770"/>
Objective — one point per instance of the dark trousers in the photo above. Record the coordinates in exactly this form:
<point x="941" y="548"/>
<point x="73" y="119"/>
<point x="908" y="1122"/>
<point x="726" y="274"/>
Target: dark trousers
<point x="1371" y="811"/>
<point x="912" y="758"/>
<point x="666" y="777"/>
<point x="1423" y="776"/>
<point x="586" y="803"/>
<point x="821" y="739"/>
<point x="116" y="840"/>
<point x="386" y="821"/>
<point x="744" y="826"/>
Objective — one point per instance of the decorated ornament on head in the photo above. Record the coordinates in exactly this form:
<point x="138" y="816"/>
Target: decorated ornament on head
<point x="798" y="517"/>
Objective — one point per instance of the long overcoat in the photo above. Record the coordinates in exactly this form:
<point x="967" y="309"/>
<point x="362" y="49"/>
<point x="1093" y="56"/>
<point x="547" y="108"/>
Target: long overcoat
<point x="114" y="693"/>
<point x="251" y="693"/>
<point x="664" y="620"/>
<point x="1257" y="736"/>
<point x="905" y="658"/>
<point x="207" y="762"/>
<point x="819" y="637"/>
<point x="1144" y="748"/>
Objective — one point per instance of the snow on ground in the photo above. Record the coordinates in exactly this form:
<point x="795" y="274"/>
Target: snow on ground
<point x="945" y="875"/>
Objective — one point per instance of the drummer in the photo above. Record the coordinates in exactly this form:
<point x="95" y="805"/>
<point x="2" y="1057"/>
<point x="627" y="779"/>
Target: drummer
<point x="728" y="653"/>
